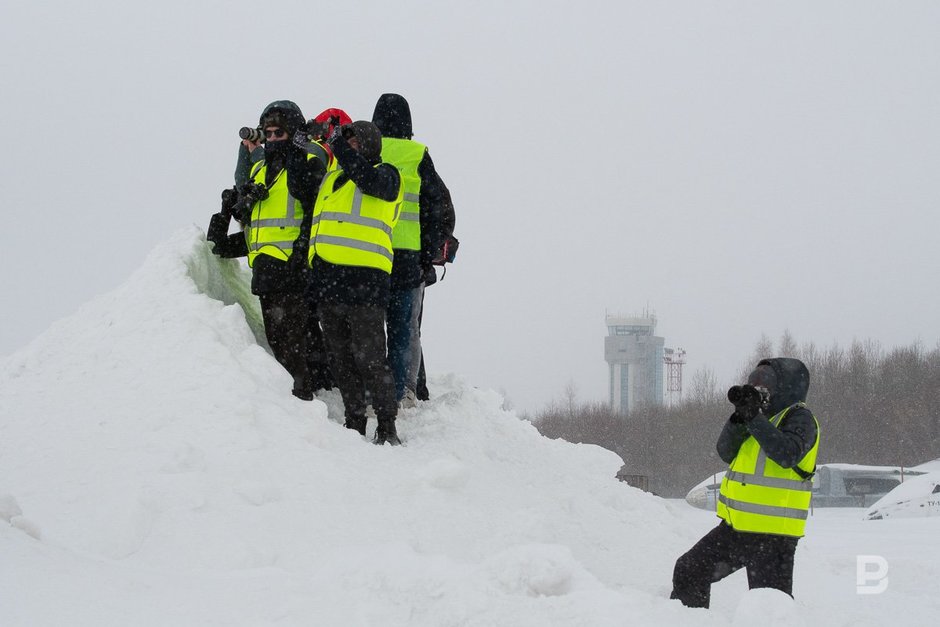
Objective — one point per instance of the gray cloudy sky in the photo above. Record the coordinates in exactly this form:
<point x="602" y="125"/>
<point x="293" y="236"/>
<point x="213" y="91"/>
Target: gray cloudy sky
<point x="737" y="167"/>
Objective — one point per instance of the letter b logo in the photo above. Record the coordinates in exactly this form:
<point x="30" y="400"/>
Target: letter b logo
<point x="871" y="574"/>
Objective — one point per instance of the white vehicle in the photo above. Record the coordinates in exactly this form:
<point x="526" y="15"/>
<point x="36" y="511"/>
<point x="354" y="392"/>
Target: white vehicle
<point x="705" y="494"/>
<point x="915" y="498"/>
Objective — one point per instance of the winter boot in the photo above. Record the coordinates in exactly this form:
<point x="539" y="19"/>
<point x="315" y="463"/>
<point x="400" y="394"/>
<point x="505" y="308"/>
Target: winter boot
<point x="304" y="394"/>
<point x="302" y="389"/>
<point x="357" y="424"/>
<point x="386" y="433"/>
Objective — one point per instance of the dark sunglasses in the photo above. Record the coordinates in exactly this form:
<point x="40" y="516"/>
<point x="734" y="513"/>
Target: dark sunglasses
<point x="277" y="133"/>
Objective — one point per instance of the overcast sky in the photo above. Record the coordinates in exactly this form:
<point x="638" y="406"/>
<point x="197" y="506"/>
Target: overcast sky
<point x="736" y="167"/>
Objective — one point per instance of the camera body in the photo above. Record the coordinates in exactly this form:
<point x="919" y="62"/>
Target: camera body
<point x="248" y="195"/>
<point x="312" y="130"/>
<point x="254" y="135"/>
<point x="749" y="395"/>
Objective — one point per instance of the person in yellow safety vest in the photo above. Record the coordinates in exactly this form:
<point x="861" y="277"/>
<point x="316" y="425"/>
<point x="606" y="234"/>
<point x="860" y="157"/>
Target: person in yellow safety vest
<point x="426" y="222"/>
<point x="351" y="257"/>
<point x="770" y="442"/>
<point x="274" y="208"/>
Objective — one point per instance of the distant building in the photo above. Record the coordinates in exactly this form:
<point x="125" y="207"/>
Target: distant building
<point x="635" y="357"/>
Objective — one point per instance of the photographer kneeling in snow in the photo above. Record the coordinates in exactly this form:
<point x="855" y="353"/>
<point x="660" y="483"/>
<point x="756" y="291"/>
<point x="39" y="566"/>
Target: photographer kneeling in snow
<point x="770" y="442"/>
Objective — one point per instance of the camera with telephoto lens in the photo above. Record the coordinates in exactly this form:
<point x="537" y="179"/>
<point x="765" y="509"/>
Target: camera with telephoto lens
<point x="744" y="395"/>
<point x="254" y="135"/>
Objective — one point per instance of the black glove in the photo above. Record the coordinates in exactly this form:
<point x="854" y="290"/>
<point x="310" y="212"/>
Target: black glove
<point x="748" y="401"/>
<point x="229" y="198"/>
<point x="428" y="275"/>
<point x="338" y="135"/>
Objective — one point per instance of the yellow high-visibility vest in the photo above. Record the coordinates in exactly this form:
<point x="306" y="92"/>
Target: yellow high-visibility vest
<point x="406" y="155"/>
<point x="758" y="495"/>
<point x="275" y="221"/>
<point x="351" y="228"/>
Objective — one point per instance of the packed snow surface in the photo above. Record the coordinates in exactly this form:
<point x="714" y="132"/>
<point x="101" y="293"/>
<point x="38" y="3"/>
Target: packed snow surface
<point x="155" y="470"/>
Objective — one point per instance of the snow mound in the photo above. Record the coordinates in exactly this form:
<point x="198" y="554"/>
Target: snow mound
<point x="153" y="439"/>
<point x="775" y="609"/>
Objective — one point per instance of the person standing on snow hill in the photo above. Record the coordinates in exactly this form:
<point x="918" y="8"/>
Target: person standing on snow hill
<point x="427" y="219"/>
<point x="275" y="208"/>
<point x="770" y="441"/>
<point x="351" y="257"/>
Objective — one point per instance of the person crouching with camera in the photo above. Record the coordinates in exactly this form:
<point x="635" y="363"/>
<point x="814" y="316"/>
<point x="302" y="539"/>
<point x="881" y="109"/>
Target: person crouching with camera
<point x="770" y="442"/>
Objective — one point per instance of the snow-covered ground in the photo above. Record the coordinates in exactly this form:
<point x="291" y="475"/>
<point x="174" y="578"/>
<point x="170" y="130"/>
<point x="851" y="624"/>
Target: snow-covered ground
<point x="155" y="470"/>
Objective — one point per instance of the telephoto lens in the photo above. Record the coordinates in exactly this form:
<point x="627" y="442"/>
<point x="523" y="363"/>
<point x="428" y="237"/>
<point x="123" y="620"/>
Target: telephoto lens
<point x="736" y="395"/>
<point x="253" y="135"/>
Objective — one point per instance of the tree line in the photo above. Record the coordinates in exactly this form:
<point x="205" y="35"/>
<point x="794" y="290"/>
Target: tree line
<point x="874" y="406"/>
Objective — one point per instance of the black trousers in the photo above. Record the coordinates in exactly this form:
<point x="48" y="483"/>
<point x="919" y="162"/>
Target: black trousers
<point x="767" y="558"/>
<point x="318" y="357"/>
<point x="355" y="337"/>
<point x="286" y="316"/>
<point x="421" y="387"/>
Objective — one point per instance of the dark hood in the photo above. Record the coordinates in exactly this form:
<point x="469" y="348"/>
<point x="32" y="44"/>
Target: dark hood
<point x="393" y="116"/>
<point x="792" y="382"/>
<point x="370" y="139"/>
<point x="283" y="113"/>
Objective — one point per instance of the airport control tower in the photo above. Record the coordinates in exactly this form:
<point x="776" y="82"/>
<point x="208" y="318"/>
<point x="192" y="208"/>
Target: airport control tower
<point x="635" y="357"/>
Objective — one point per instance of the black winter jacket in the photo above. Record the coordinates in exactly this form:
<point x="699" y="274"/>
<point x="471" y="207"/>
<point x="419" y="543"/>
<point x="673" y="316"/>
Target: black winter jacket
<point x="393" y="117"/>
<point x="355" y="285"/>
<point x="788" y="443"/>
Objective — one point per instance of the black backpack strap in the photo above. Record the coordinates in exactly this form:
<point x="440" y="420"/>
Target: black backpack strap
<point x="807" y="476"/>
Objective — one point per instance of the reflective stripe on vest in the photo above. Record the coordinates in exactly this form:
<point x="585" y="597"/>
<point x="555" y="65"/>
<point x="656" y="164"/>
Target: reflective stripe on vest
<point x="759" y="496"/>
<point x="275" y="221"/>
<point x="406" y="155"/>
<point x="351" y="228"/>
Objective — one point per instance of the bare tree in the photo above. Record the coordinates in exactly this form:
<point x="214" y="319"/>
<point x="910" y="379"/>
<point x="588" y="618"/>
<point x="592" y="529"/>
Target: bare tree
<point x="762" y="350"/>
<point x="787" y="345"/>
<point x="703" y="388"/>
<point x="571" y="396"/>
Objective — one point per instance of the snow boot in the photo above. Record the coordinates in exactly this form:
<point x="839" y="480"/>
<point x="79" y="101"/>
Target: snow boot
<point x="386" y="433"/>
<point x="357" y="424"/>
